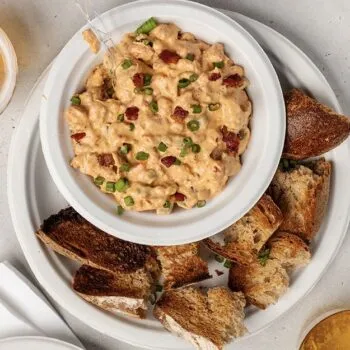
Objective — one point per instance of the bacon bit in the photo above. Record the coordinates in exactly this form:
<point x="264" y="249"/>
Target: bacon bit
<point x="138" y="80"/>
<point x="132" y="113"/>
<point x="233" y="80"/>
<point x="179" y="197"/>
<point x="105" y="159"/>
<point x="169" y="56"/>
<point x="214" y="76"/>
<point x="231" y="139"/>
<point x="78" y="136"/>
<point x="219" y="273"/>
<point x="168" y="161"/>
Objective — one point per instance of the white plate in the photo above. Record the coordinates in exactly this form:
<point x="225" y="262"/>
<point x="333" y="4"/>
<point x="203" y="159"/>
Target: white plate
<point x="33" y="197"/>
<point x="259" y="161"/>
<point x="35" y="343"/>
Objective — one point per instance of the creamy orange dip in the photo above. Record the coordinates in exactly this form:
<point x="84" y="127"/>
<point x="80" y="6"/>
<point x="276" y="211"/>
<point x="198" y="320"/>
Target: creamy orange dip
<point x="163" y="120"/>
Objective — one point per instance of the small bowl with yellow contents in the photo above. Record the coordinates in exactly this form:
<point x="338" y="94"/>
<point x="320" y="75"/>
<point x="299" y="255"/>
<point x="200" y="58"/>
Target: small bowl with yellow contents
<point x="170" y="135"/>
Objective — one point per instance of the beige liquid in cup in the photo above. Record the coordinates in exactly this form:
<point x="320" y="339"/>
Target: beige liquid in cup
<point x="2" y="71"/>
<point x="332" y="333"/>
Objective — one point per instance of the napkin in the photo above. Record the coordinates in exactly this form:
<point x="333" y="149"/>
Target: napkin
<point x="25" y="311"/>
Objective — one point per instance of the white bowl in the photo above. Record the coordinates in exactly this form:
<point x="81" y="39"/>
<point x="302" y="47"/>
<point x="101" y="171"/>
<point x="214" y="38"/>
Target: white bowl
<point x="259" y="161"/>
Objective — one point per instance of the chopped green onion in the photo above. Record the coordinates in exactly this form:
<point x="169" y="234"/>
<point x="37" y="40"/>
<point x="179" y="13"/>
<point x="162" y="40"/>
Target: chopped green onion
<point x="184" y="151"/>
<point x="125" y="167"/>
<point x="147" y="26"/>
<point x="131" y="126"/>
<point x="125" y="148"/>
<point x="153" y="106"/>
<point x="183" y="83"/>
<point x="159" y="288"/>
<point x="99" y="180"/>
<point x="228" y="263"/>
<point x="121" y="185"/>
<point x="193" y="125"/>
<point x="196" y="148"/>
<point x="177" y="162"/>
<point x="120" y="210"/>
<point x="120" y="117"/>
<point x="142" y="155"/>
<point x="201" y="204"/>
<point x="126" y="64"/>
<point x="188" y="141"/>
<point x="190" y="56"/>
<point x="162" y="147"/>
<point x="148" y="90"/>
<point x="219" y="64"/>
<point x="110" y="186"/>
<point x="219" y="258"/>
<point x="147" y="42"/>
<point x="129" y="201"/>
<point x="196" y="108"/>
<point x="213" y="106"/>
<point x="147" y="79"/>
<point x="264" y="256"/>
<point x="75" y="100"/>
<point x="167" y="204"/>
<point x="193" y="77"/>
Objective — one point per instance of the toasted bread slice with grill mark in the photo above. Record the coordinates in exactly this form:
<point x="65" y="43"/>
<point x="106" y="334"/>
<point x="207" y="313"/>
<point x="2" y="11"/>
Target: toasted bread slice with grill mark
<point x="207" y="320"/>
<point x="242" y="241"/>
<point x="181" y="265"/>
<point x="312" y="128"/>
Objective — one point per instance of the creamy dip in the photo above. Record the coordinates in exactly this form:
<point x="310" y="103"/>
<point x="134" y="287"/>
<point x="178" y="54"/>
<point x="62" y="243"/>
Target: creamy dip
<point x="163" y="120"/>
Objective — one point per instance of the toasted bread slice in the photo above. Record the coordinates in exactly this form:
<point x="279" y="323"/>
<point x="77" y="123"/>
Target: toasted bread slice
<point x="181" y="265"/>
<point x="125" y="293"/>
<point x="289" y="249"/>
<point x="242" y="241"/>
<point x="302" y="194"/>
<point x="312" y="128"/>
<point x="261" y="282"/>
<point x="69" y="234"/>
<point x="207" y="320"/>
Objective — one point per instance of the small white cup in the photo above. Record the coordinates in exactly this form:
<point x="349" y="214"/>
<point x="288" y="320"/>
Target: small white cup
<point x="11" y="69"/>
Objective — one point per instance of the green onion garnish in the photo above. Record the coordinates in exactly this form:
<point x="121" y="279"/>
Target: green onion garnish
<point x="228" y="263"/>
<point x="193" y="77"/>
<point x="129" y="201"/>
<point x="190" y="56"/>
<point x="131" y="126"/>
<point x="219" y="64"/>
<point x="125" y="148"/>
<point x="148" y="90"/>
<point x="147" y="79"/>
<point x="99" y="180"/>
<point x="142" y="155"/>
<point x="167" y="204"/>
<point x="193" y="125"/>
<point x="153" y="106"/>
<point x="184" y="151"/>
<point x="214" y="106"/>
<point x="187" y="141"/>
<point x="196" y="148"/>
<point x="219" y="258"/>
<point x="120" y="210"/>
<point x="120" y="117"/>
<point x="177" y="162"/>
<point x="183" y="83"/>
<point x="147" y="42"/>
<point x="201" y="204"/>
<point x="264" y="256"/>
<point x="75" y="100"/>
<point x="196" y="108"/>
<point x="147" y="26"/>
<point x="121" y="185"/>
<point x="159" y="288"/>
<point x="162" y="147"/>
<point x="125" y="167"/>
<point x="110" y="186"/>
<point x="126" y="64"/>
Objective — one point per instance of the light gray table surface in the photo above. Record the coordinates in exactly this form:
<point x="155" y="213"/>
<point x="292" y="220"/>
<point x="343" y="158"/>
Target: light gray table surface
<point x="40" y="28"/>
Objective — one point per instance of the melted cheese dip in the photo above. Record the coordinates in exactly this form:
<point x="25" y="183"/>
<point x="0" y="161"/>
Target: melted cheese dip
<point x="163" y="120"/>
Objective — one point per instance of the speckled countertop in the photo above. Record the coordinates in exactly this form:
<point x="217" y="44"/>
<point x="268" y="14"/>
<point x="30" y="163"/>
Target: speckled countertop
<point x="40" y="28"/>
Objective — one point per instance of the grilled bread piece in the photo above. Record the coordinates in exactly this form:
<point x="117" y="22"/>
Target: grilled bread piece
<point x="126" y="293"/>
<point x="207" y="320"/>
<point x="302" y="194"/>
<point x="242" y="241"/>
<point x="289" y="249"/>
<point x="312" y="128"/>
<point x="262" y="282"/>
<point x="181" y="265"/>
<point x="69" y="234"/>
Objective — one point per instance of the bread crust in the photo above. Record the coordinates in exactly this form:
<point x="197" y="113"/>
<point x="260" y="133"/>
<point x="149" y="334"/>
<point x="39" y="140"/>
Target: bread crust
<point x="312" y="128"/>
